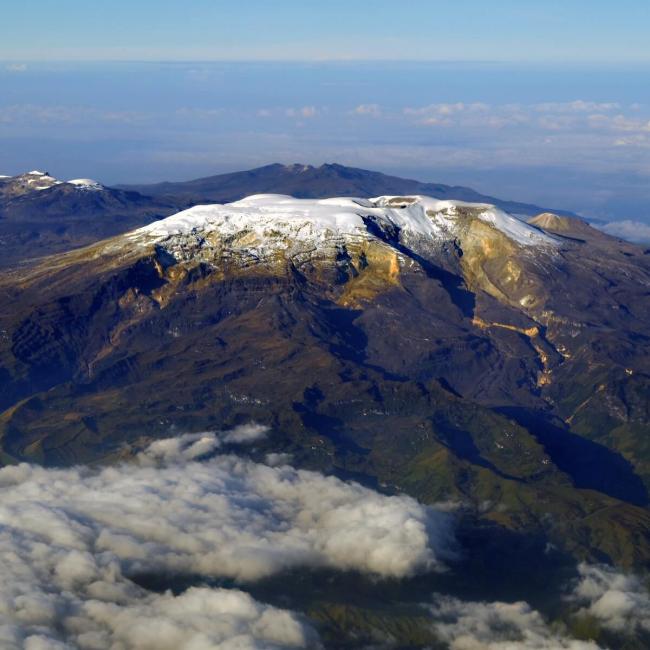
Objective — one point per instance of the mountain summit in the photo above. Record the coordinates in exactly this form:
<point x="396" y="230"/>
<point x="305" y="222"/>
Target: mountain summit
<point x="328" y="180"/>
<point x="40" y="214"/>
<point x="442" y="348"/>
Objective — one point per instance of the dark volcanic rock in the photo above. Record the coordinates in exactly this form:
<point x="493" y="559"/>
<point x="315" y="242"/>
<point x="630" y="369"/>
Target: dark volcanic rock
<point x="61" y="216"/>
<point x="513" y="377"/>
<point x="307" y="181"/>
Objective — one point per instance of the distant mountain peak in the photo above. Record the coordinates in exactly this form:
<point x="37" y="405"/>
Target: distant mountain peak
<point x="327" y="180"/>
<point x="298" y="168"/>
<point x="564" y="225"/>
<point x="35" y="180"/>
<point x="86" y="184"/>
<point x="29" y="182"/>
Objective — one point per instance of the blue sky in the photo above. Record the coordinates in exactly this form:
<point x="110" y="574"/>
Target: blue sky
<point x="542" y="102"/>
<point x="510" y="30"/>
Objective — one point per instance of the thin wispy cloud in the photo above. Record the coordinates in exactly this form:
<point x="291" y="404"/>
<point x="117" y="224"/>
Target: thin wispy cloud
<point x="199" y="113"/>
<point x="16" y="67"/>
<point x="371" y="110"/>
<point x="619" y="122"/>
<point x="635" y="231"/>
<point x="577" y="116"/>
<point x="30" y="114"/>
<point x="576" y="106"/>
<point x="304" y="112"/>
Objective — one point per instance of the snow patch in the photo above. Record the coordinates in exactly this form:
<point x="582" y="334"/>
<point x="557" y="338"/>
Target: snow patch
<point x="86" y="184"/>
<point x="37" y="180"/>
<point x="521" y="232"/>
<point x="281" y="221"/>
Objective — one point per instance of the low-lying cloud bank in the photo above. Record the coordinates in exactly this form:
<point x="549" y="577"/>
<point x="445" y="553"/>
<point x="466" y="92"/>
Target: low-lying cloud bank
<point x="466" y="625"/>
<point x="620" y="602"/>
<point x="73" y="540"/>
<point x="634" y="231"/>
<point x="617" y="603"/>
<point x="94" y="617"/>
<point x="70" y="539"/>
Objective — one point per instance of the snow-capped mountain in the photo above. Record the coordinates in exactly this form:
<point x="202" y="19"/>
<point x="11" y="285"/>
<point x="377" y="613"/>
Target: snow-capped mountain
<point x="278" y="220"/>
<point x="34" y="181"/>
<point x="40" y="214"/>
<point x="339" y="235"/>
<point x="38" y="181"/>
<point x="442" y="348"/>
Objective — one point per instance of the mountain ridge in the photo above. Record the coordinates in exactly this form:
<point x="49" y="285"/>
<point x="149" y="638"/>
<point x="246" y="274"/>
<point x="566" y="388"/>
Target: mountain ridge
<point x="330" y="179"/>
<point x="405" y="341"/>
<point x="41" y="215"/>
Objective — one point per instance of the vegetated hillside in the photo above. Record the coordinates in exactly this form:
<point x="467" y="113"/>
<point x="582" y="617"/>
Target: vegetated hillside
<point x="439" y="348"/>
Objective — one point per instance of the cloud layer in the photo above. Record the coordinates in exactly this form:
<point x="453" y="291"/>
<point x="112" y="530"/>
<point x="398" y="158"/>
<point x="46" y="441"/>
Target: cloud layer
<point x="468" y="625"/>
<point x="566" y="140"/>
<point x="74" y="541"/>
<point x="616" y="602"/>
<point x="70" y="539"/>
<point x="635" y="231"/>
<point x="620" y="602"/>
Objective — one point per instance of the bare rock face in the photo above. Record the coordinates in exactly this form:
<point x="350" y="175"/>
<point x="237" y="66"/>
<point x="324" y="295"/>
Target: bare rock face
<point x="34" y="181"/>
<point x="442" y="348"/>
<point x="554" y="222"/>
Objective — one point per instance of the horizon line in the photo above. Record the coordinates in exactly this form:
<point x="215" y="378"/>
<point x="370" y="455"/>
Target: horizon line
<point x="324" y="60"/>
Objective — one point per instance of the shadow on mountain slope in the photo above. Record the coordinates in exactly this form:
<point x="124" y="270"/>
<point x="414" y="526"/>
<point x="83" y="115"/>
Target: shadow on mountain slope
<point x="591" y="465"/>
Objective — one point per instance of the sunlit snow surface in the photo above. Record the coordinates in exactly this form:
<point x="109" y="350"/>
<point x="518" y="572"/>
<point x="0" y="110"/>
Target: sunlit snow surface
<point x="38" y="180"/>
<point x="85" y="184"/>
<point x="277" y="217"/>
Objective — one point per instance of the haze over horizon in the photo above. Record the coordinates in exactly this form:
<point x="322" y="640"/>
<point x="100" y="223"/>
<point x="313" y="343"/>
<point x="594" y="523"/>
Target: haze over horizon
<point x="550" y="106"/>
<point x="466" y="30"/>
<point x="358" y="375"/>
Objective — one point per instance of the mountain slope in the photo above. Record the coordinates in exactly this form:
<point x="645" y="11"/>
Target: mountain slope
<point x="40" y="215"/>
<point x="306" y="181"/>
<point x="441" y="348"/>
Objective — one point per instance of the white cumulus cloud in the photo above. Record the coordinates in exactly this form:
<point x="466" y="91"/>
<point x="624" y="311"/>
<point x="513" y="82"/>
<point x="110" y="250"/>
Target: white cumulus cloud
<point x="369" y="110"/>
<point x="619" y="601"/>
<point x="467" y="625"/>
<point x="72" y="539"/>
<point x="304" y="112"/>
